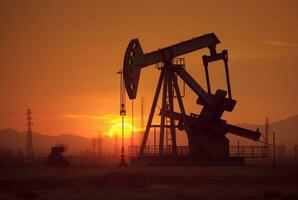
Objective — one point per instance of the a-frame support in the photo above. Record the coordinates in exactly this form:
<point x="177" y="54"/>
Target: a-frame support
<point x="169" y="82"/>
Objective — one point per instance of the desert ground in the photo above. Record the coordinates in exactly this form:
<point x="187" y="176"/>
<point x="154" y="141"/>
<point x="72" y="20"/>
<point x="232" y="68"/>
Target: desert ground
<point x="247" y="182"/>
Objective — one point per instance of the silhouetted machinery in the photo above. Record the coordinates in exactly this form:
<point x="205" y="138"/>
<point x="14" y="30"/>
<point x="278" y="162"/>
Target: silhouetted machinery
<point x="207" y="143"/>
<point x="56" y="158"/>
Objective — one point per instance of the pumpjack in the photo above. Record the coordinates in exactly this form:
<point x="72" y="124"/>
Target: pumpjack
<point x="206" y="131"/>
<point x="56" y="158"/>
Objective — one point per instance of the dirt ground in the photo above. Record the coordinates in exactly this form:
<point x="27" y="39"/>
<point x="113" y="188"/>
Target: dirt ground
<point x="249" y="182"/>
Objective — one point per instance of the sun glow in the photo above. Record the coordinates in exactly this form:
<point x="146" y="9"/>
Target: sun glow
<point x="116" y="130"/>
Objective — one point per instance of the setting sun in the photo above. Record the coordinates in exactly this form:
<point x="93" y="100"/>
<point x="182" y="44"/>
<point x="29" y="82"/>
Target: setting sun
<point x="116" y="130"/>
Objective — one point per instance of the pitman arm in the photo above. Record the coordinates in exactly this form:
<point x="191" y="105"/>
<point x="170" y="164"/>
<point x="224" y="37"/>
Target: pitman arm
<point x="204" y="97"/>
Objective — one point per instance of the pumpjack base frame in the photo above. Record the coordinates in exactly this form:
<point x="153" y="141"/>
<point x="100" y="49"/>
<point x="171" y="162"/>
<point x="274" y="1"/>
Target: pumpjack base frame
<point x="185" y="161"/>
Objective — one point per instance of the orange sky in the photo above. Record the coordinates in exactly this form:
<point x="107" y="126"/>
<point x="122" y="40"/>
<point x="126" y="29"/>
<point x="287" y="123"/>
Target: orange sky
<point x="60" y="58"/>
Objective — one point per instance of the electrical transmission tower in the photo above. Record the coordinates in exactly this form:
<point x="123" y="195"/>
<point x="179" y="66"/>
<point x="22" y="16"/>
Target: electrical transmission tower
<point x="267" y="132"/>
<point x="29" y="144"/>
<point x="99" y="145"/>
<point x="116" y="148"/>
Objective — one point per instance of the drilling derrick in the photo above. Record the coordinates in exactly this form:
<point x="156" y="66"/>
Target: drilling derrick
<point x="29" y="144"/>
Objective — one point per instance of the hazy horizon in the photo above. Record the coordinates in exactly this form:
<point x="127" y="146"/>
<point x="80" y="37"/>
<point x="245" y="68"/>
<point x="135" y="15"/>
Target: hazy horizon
<point x="136" y="132"/>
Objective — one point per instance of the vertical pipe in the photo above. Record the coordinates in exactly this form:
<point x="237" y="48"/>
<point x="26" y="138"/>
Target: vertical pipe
<point x="154" y="140"/>
<point x="122" y="142"/>
<point x="172" y="121"/>
<point x="122" y="113"/>
<point x="182" y="110"/>
<point x="132" y="126"/>
<point x="142" y="120"/>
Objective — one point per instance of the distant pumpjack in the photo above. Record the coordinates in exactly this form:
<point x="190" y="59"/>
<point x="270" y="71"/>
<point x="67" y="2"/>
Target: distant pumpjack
<point x="205" y="131"/>
<point x="56" y="159"/>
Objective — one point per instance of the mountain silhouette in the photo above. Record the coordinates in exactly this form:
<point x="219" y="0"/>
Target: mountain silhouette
<point x="286" y="132"/>
<point x="10" y="138"/>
